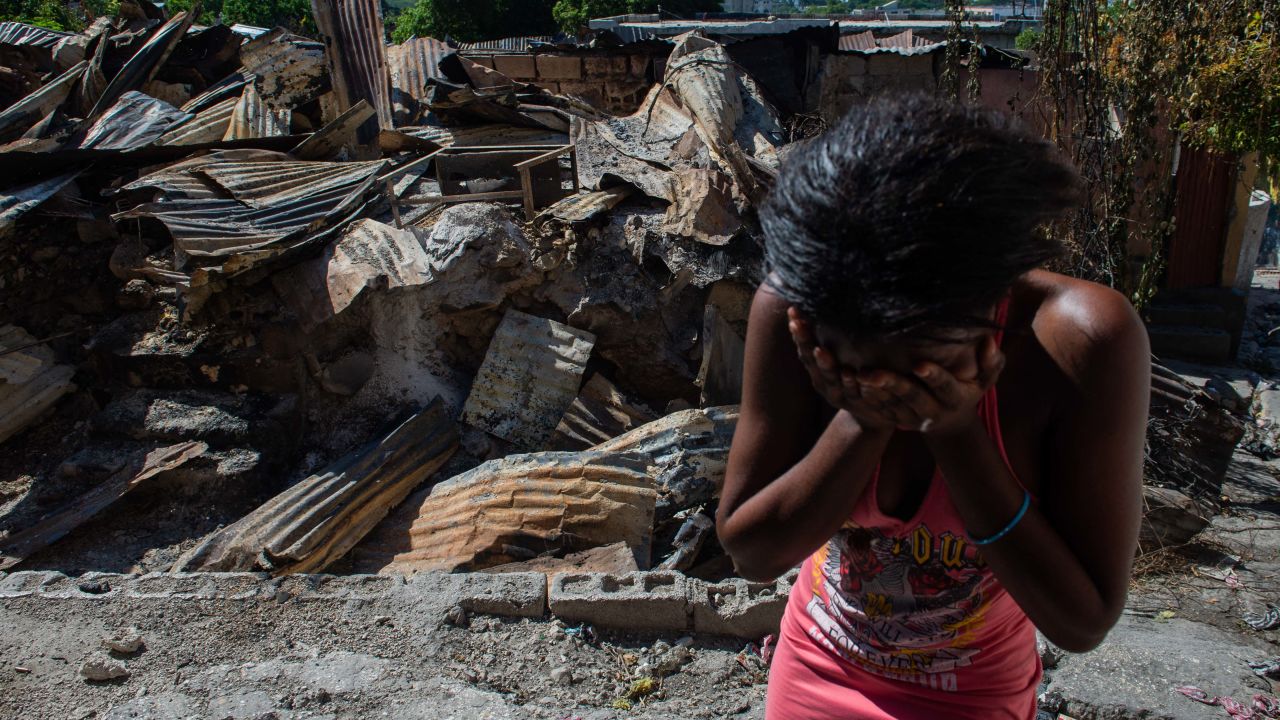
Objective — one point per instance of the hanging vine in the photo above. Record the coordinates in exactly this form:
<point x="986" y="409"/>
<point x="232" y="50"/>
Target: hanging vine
<point x="1123" y="84"/>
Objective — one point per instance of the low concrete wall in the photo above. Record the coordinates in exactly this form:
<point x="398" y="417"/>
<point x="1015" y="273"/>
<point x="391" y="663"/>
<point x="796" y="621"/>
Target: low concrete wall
<point x="614" y="83"/>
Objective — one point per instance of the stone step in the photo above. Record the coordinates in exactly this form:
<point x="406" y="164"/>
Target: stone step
<point x="1202" y="344"/>
<point x="1187" y="315"/>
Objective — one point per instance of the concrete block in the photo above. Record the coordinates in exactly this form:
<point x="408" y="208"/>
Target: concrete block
<point x="737" y="607"/>
<point x="28" y="582"/>
<point x="559" y="67"/>
<point x="91" y="585"/>
<point x="636" y="601"/>
<point x="482" y="60"/>
<point x="598" y="67"/>
<point x="509" y="594"/>
<point x="638" y="66"/>
<point x="516" y="66"/>
<point x="309" y="587"/>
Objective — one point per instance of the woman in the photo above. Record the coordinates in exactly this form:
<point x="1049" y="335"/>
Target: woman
<point x="947" y="437"/>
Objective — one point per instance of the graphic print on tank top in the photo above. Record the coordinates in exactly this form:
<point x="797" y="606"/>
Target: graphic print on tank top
<point x="906" y="605"/>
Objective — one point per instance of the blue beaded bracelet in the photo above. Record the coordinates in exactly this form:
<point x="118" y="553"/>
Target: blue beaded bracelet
<point x="1026" y="503"/>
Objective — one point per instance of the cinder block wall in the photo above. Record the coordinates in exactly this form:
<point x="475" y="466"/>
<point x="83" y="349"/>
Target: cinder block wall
<point x="614" y="83"/>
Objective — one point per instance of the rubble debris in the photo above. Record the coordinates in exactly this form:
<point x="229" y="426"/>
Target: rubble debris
<point x="316" y="521"/>
<point x="600" y="412"/>
<point x="134" y="121"/>
<point x="140" y="468"/>
<point x="412" y="64"/>
<point x="530" y="376"/>
<point x="18" y="117"/>
<point x="144" y="64"/>
<point x="616" y="559"/>
<point x="353" y="35"/>
<point x="1269" y="620"/>
<point x="18" y="201"/>
<point x="126" y="642"/>
<point x="691" y="536"/>
<point x="723" y="353"/>
<point x="685" y="453"/>
<point x="30" y="380"/>
<point x="102" y="669"/>
<point x="1169" y="518"/>
<point x="521" y="506"/>
<point x="1190" y="441"/>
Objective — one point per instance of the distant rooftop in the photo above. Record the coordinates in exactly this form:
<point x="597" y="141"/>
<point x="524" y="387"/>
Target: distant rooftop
<point x="654" y="26"/>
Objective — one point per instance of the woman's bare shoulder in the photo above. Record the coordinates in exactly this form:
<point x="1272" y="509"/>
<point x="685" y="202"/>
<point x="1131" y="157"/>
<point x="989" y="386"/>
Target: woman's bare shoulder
<point x="1087" y="327"/>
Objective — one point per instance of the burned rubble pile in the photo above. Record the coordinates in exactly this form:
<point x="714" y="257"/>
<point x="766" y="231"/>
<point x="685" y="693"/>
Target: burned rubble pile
<point x="293" y="305"/>
<point x="383" y="311"/>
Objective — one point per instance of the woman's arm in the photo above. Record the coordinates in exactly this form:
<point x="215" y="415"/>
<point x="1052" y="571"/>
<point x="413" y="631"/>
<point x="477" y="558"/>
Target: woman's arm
<point x="1067" y="563"/>
<point x="790" y="483"/>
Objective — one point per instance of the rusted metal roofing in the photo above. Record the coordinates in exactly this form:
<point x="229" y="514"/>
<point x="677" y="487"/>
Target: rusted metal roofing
<point x="353" y="34"/>
<point x="411" y="65"/>
<point x="867" y="40"/>
<point x="136" y="120"/>
<point x="19" y="201"/>
<point x="276" y="203"/>
<point x="16" y="33"/>
<point x="519" y="506"/>
<point x="142" y="67"/>
<point x="17" y="117"/>
<point x="288" y="70"/>
<point x="209" y="125"/>
<point x="252" y="118"/>
<point x="487" y="135"/>
<point x="687" y="453"/>
<point x="529" y="377"/>
<point x="507" y="45"/>
<point x="316" y="521"/>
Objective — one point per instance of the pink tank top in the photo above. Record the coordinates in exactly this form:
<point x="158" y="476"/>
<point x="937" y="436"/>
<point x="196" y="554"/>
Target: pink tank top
<point x="908" y="617"/>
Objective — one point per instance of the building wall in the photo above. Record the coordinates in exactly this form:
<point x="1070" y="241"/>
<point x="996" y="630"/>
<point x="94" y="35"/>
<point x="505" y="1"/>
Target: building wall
<point x="614" y="83"/>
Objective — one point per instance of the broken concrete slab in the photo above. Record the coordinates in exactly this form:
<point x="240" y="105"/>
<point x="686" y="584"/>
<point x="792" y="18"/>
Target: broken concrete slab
<point x="529" y="377"/>
<point x="31" y="382"/>
<point x="1133" y="673"/>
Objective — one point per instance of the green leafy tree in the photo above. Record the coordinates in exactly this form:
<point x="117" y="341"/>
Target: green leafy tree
<point x="1028" y="39"/>
<point x="472" y="20"/>
<point x="49" y="14"/>
<point x="572" y="15"/>
<point x="292" y="14"/>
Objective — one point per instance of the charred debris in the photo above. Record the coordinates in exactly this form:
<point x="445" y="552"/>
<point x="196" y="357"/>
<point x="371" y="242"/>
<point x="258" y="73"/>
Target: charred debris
<point x="298" y="305"/>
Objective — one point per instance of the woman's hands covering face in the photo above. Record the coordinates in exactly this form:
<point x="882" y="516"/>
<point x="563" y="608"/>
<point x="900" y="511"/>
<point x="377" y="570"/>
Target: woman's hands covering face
<point x="932" y="401"/>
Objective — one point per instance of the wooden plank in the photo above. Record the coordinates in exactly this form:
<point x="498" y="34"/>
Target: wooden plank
<point x="467" y="197"/>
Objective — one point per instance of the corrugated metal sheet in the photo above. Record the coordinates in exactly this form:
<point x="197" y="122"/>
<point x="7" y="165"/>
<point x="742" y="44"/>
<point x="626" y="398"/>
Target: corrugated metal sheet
<point x="867" y="41"/>
<point x="316" y="521"/>
<point x="288" y="70"/>
<point x="507" y="45"/>
<point x="136" y="120"/>
<point x="275" y="205"/>
<point x="229" y="88"/>
<point x="520" y="506"/>
<point x="252" y="118"/>
<point x="858" y="41"/>
<point x="1204" y="189"/>
<point x="529" y="377"/>
<point x="687" y="453"/>
<point x="600" y="413"/>
<point x="16" y="33"/>
<point x="411" y="65"/>
<point x="353" y="34"/>
<point x="207" y="126"/>
<point x="21" y="115"/>
<point x="23" y="199"/>
<point x="140" y="68"/>
<point x="249" y="31"/>
<point x="487" y="135"/>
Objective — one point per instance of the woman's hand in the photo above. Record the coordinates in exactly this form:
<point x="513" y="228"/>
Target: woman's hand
<point x="935" y="401"/>
<point x="838" y="386"/>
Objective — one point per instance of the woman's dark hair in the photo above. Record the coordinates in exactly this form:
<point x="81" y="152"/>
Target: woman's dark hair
<point x="912" y="215"/>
